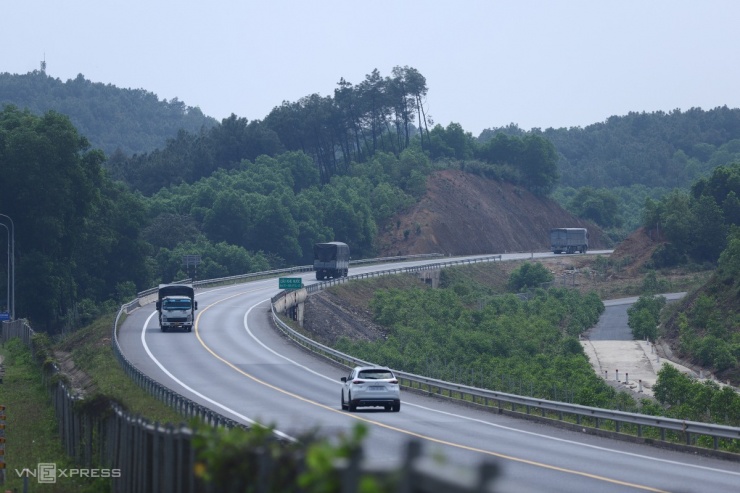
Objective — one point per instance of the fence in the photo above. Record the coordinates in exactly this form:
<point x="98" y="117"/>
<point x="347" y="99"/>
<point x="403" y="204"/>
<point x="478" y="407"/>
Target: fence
<point x="147" y="456"/>
<point x="141" y="456"/>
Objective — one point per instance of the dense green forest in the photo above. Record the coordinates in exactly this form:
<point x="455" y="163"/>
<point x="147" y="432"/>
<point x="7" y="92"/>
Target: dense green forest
<point x="602" y="172"/>
<point x="609" y="168"/>
<point x="98" y="225"/>
<point x="668" y="150"/>
<point x="705" y="327"/>
<point x="86" y="237"/>
<point x="696" y="222"/>
<point x="115" y="120"/>
<point x="110" y="188"/>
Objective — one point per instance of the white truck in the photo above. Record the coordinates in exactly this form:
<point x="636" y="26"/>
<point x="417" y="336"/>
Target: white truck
<point x="176" y="306"/>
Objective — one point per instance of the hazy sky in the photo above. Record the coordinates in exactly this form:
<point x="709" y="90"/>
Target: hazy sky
<point x="538" y="63"/>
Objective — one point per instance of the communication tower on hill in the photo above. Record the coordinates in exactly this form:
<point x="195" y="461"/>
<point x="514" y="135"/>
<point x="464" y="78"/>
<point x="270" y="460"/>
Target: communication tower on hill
<point x="43" y="64"/>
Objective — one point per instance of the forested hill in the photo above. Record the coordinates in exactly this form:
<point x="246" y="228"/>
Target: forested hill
<point x="257" y="195"/>
<point x="656" y="150"/>
<point x="132" y="121"/>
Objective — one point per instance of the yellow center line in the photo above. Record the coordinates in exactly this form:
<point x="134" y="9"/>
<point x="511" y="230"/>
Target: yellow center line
<point x="401" y="430"/>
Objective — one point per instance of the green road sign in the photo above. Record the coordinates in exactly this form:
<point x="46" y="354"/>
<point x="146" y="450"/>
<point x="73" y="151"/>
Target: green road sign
<point x="290" y="283"/>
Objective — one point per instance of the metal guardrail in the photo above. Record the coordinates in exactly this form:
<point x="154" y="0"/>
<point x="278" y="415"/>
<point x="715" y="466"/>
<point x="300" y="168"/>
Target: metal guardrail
<point x="290" y="270"/>
<point x="180" y="403"/>
<point x="427" y="476"/>
<point x="488" y="398"/>
<point x="476" y="395"/>
<point x="145" y="456"/>
<point x="313" y="288"/>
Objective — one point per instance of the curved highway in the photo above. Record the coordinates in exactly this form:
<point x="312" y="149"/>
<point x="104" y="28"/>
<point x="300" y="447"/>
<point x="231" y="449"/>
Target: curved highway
<point x="236" y="363"/>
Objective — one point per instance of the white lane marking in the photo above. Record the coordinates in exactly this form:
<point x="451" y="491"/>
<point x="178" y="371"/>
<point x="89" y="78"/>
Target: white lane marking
<point x="487" y="423"/>
<point x="246" y="327"/>
<point x="193" y="391"/>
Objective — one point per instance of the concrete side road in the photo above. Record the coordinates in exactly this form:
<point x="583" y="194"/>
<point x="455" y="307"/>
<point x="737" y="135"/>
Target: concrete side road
<point x="617" y="358"/>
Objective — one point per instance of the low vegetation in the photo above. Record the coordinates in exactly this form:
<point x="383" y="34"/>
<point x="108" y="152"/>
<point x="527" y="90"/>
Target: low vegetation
<point x="468" y="332"/>
<point x="102" y="375"/>
<point x="92" y="371"/>
<point x="31" y="426"/>
<point x="473" y="332"/>
<point x="686" y="398"/>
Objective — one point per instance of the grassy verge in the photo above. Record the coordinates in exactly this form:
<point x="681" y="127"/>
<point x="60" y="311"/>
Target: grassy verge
<point x="92" y="354"/>
<point x="31" y="427"/>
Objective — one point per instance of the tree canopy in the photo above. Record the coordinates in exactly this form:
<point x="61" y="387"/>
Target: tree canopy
<point x="129" y="121"/>
<point x="77" y="233"/>
<point x="697" y="222"/>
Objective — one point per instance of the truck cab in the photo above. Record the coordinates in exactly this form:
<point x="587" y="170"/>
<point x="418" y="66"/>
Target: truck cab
<point x="176" y="306"/>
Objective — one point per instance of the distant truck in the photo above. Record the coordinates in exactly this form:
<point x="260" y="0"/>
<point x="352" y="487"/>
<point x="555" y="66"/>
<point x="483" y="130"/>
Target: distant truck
<point x="330" y="260"/>
<point x="176" y="306"/>
<point x="569" y="240"/>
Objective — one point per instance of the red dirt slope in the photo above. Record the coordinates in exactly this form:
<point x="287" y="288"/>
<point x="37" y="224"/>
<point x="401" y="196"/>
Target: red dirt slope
<point x="465" y="214"/>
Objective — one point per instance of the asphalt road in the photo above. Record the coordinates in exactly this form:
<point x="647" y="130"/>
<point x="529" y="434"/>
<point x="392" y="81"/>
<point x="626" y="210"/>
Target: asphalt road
<point x="236" y="363"/>
<point x="612" y="325"/>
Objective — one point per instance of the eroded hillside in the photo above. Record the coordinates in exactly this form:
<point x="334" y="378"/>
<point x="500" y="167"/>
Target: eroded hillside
<point x="465" y="214"/>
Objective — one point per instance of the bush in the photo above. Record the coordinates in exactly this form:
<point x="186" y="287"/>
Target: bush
<point x="667" y="255"/>
<point x="712" y="351"/>
<point x="643" y="316"/>
<point x="529" y="275"/>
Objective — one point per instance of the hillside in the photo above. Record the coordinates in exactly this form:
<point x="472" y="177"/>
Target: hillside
<point x="465" y="214"/>
<point x="344" y="310"/>
<point x="111" y="118"/>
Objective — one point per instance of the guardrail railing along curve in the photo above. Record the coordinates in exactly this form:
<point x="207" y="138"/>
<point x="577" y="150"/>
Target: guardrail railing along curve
<point x="486" y="397"/>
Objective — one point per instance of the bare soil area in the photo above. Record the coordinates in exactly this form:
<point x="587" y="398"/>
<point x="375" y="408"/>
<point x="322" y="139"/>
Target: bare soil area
<point x="462" y="214"/>
<point x="79" y="382"/>
<point x="465" y="214"/>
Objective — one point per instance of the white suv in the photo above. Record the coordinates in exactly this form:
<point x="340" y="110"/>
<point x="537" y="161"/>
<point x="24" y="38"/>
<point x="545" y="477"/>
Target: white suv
<point x="371" y="386"/>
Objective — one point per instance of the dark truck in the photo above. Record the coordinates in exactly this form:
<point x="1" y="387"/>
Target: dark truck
<point x="330" y="260"/>
<point x="569" y="240"/>
<point x="176" y="306"/>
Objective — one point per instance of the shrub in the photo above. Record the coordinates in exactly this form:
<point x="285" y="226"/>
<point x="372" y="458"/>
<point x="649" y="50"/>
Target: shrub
<point x="529" y="275"/>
